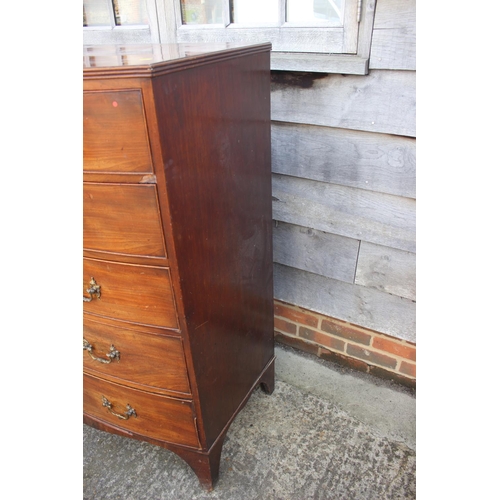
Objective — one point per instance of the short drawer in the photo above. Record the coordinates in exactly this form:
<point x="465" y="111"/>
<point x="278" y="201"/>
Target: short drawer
<point x="129" y="292"/>
<point x="153" y="361"/>
<point x="122" y="219"/>
<point x="115" y="137"/>
<point x="150" y="415"/>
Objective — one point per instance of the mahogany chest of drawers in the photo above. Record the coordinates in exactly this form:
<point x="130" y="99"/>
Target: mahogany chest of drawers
<point x="177" y="272"/>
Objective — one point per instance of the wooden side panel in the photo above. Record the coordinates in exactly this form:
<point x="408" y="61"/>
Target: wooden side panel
<point x="108" y="146"/>
<point x="218" y="175"/>
<point x="359" y="305"/>
<point x="383" y="101"/>
<point x="387" y="269"/>
<point x="131" y="293"/>
<point x="158" y="417"/>
<point x="315" y="251"/>
<point x="354" y="213"/>
<point x="122" y="219"/>
<point x="374" y="162"/>
<point x="394" y="35"/>
<point x="155" y="362"/>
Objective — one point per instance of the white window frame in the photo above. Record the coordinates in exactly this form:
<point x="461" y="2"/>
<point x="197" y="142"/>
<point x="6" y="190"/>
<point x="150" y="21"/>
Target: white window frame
<point x="350" y="56"/>
<point x="285" y="36"/>
<point x="346" y="51"/>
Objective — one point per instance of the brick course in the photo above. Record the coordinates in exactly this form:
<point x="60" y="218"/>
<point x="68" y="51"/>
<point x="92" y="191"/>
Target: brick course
<point x="295" y="315"/>
<point x="321" y="339"/>
<point x="347" y="331"/>
<point x="408" y="369"/>
<point x="344" y="343"/>
<point x="284" y="326"/>
<point x="375" y="358"/>
<point x="405" y="351"/>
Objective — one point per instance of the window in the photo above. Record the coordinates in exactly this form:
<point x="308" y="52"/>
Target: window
<point x="317" y="26"/>
<point x="263" y="12"/>
<point x="119" y="22"/>
<point x="114" y="13"/>
<point x="307" y="35"/>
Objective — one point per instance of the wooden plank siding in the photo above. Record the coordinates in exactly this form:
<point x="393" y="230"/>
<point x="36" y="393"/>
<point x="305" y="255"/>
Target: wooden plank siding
<point x="387" y="269"/>
<point x="315" y="251"/>
<point x="382" y="101"/>
<point x="376" y="162"/>
<point x="344" y="184"/>
<point x="354" y="213"/>
<point x="394" y="35"/>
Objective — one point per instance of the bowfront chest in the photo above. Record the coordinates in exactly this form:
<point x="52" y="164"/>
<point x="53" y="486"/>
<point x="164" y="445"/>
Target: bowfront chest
<point x="177" y="271"/>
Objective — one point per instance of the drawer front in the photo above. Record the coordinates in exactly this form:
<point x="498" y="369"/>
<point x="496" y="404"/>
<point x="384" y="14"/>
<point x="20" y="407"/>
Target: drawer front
<point x="153" y="361"/>
<point x="122" y="219"/>
<point x="115" y="137"/>
<point x="128" y="292"/>
<point x="157" y="417"/>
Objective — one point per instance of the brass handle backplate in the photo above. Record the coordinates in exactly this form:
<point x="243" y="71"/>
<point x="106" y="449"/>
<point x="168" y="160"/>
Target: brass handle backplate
<point x="129" y="413"/>
<point x="111" y="355"/>
<point x="93" y="289"/>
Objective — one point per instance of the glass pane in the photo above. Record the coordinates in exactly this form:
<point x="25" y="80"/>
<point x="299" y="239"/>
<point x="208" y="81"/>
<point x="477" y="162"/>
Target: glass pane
<point x="255" y="11"/>
<point x="96" y="13"/>
<point x="314" y="11"/>
<point x="202" y="11"/>
<point x="130" y="12"/>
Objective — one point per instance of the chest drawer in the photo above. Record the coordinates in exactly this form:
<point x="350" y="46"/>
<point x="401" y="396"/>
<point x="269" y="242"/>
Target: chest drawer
<point x="155" y="416"/>
<point x="115" y="137"/>
<point x="129" y="292"/>
<point x="153" y="361"/>
<point x="122" y="219"/>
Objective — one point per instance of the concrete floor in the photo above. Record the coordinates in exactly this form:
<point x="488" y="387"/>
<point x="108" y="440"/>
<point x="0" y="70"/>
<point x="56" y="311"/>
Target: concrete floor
<point x="325" y="433"/>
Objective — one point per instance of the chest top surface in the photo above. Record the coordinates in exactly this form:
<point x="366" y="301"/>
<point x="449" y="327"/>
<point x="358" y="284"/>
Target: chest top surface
<point x="153" y="59"/>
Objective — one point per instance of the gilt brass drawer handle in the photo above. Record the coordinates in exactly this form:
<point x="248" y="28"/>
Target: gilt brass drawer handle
<point x="94" y="289"/>
<point x="129" y="413"/>
<point x="112" y="354"/>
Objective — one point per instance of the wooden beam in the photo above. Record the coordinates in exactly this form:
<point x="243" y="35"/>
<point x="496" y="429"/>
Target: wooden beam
<point x="383" y="101"/>
<point x="354" y="213"/>
<point x="323" y="63"/>
<point x="387" y="269"/>
<point x="376" y="162"/>
<point x="315" y="251"/>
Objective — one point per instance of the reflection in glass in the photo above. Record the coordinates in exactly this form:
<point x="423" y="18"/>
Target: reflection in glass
<point x="130" y="12"/>
<point x="314" y="11"/>
<point x="202" y="11"/>
<point x="255" y="11"/>
<point x="125" y="12"/>
<point x="96" y="13"/>
<point x="119" y="55"/>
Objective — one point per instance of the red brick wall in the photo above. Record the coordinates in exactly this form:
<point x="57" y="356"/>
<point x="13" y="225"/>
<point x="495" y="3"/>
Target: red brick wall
<point x="345" y="343"/>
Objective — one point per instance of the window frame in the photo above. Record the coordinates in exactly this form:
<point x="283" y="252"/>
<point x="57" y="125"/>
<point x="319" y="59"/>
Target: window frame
<point x="355" y="60"/>
<point x="285" y="36"/>
<point x="166" y="27"/>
